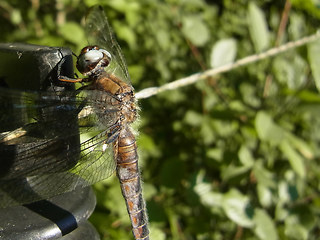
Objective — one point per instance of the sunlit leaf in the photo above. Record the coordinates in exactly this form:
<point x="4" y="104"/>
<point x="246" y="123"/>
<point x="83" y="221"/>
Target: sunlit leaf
<point x="263" y="176"/>
<point x="258" y="27"/>
<point x="207" y="196"/>
<point x="264" y="194"/>
<point x="15" y="16"/>
<point x="296" y="161"/>
<point x="156" y="233"/>
<point x="267" y="129"/>
<point x="193" y="118"/>
<point x="195" y="29"/>
<point x="294" y="74"/>
<point x="232" y="171"/>
<point x="72" y="32"/>
<point x="309" y="96"/>
<point x="245" y="156"/>
<point x="264" y="225"/>
<point x="237" y="208"/>
<point x="302" y="146"/>
<point x="287" y="193"/>
<point x="249" y="93"/>
<point x="125" y="33"/>
<point x="294" y="229"/>
<point x="314" y="59"/>
<point x="223" y="52"/>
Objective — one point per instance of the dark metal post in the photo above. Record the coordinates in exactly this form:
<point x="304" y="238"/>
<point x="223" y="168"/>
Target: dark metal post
<point x="32" y="67"/>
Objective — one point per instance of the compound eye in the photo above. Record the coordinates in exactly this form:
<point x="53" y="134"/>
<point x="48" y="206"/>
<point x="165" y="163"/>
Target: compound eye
<point x="88" y="59"/>
<point x="108" y="55"/>
<point x="92" y="56"/>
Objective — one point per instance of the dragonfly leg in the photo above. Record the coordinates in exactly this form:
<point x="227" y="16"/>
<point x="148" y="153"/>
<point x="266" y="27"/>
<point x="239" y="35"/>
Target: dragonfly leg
<point x="68" y="79"/>
<point x="73" y="80"/>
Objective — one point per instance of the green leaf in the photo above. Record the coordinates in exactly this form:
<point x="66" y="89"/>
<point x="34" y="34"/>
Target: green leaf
<point x="294" y="228"/>
<point x="294" y="74"/>
<point x="296" y="161"/>
<point x="15" y="16"/>
<point x="223" y="52"/>
<point x="314" y="59"/>
<point x="264" y="194"/>
<point x="267" y="129"/>
<point x="232" y="171"/>
<point x="309" y="96"/>
<point x="193" y="118"/>
<point x="263" y="176"/>
<point x="265" y="228"/>
<point x="258" y="27"/>
<point x="195" y="30"/>
<point x="207" y="196"/>
<point x="287" y="193"/>
<point x="124" y="32"/>
<point x="301" y="145"/>
<point x="237" y="208"/>
<point x="72" y="32"/>
<point x="156" y="233"/>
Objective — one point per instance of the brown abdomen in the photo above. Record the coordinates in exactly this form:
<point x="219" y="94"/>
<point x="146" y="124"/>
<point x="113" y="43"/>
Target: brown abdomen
<point x="128" y="173"/>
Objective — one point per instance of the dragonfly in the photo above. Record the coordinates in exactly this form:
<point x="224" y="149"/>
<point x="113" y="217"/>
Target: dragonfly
<point x="40" y="131"/>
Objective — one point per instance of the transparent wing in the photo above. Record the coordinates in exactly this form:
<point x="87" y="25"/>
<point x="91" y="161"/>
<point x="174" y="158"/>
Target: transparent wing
<point x="53" y="142"/>
<point x="99" y="33"/>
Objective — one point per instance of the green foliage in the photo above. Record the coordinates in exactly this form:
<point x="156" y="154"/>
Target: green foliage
<point x="232" y="157"/>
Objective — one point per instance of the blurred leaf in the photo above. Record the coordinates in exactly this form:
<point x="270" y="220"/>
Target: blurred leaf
<point x="16" y="16"/>
<point x="311" y="6"/>
<point x="72" y="32"/>
<point x="264" y="228"/>
<point x="258" y="27"/>
<point x="136" y="73"/>
<point x="148" y="144"/>
<point x="232" y="171"/>
<point x="195" y="29"/>
<point x="267" y="129"/>
<point x="193" y="118"/>
<point x="303" y="147"/>
<point x="237" y="208"/>
<point x="207" y="196"/>
<point x="293" y="74"/>
<point x="309" y="96"/>
<point x="295" y="229"/>
<point x="149" y="191"/>
<point x="156" y="233"/>
<point x="205" y="192"/>
<point x="263" y="176"/>
<point x="314" y="59"/>
<point x="296" y="161"/>
<point x="264" y="194"/>
<point x="296" y="26"/>
<point x="245" y="156"/>
<point x="126" y="33"/>
<point x="223" y="52"/>
<point x="249" y="95"/>
<point x="215" y="154"/>
<point x="287" y="193"/>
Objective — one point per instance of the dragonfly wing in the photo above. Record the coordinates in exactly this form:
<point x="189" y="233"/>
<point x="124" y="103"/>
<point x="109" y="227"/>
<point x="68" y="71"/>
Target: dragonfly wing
<point x="99" y="33"/>
<point x="40" y="145"/>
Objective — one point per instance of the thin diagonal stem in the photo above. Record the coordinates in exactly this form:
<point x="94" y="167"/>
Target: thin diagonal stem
<point x="148" y="92"/>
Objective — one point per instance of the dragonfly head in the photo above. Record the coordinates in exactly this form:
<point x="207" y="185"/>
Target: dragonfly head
<point x="91" y="59"/>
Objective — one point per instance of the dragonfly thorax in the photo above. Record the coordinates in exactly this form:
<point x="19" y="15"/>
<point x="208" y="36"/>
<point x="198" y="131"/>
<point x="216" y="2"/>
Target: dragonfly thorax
<point x="92" y="59"/>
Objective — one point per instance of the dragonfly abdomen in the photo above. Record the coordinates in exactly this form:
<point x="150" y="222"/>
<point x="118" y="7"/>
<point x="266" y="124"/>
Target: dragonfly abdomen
<point x="128" y="174"/>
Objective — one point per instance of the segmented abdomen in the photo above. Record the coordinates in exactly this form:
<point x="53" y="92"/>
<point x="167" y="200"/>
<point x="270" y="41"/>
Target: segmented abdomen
<point x="128" y="173"/>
